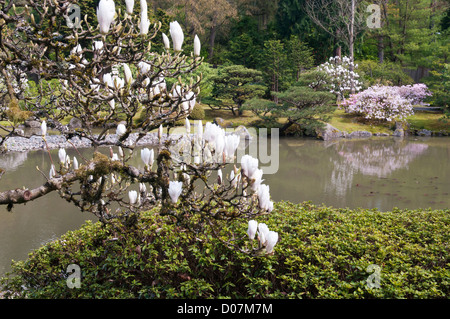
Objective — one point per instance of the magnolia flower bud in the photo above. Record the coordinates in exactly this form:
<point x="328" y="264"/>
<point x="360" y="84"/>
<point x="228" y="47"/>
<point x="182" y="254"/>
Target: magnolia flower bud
<point x="128" y="74"/>
<point x="174" y="190"/>
<point x="271" y="240"/>
<point x="145" y="23"/>
<point x="263" y="231"/>
<point x="130" y="5"/>
<point x="106" y="11"/>
<point x="44" y="128"/>
<point x="177" y="35"/>
<point x="142" y="188"/>
<point x="264" y="197"/>
<point x="52" y="172"/>
<point x="147" y="156"/>
<point x="62" y="155"/>
<point x="249" y="165"/>
<point x="197" y="46"/>
<point x="256" y="179"/>
<point x="75" y="163"/>
<point x="252" y="227"/>
<point x="132" y="195"/>
<point x="121" y="129"/>
<point x="166" y="41"/>
<point x="199" y="130"/>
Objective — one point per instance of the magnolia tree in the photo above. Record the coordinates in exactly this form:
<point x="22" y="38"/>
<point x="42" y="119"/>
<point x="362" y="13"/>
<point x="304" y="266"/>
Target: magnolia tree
<point x="387" y="103"/>
<point x="342" y="78"/>
<point x="109" y="75"/>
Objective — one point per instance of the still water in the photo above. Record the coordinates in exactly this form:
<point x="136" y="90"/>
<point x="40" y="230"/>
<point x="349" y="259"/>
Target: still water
<point x="371" y="173"/>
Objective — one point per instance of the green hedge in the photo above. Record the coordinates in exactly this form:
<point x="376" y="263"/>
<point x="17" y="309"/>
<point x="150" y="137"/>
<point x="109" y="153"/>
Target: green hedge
<point x="322" y="252"/>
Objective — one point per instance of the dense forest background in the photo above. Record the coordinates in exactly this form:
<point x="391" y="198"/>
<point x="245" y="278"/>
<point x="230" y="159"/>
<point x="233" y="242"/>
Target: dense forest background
<point x="282" y="38"/>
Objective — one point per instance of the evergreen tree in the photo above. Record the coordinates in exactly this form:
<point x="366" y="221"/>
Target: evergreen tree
<point x="233" y="85"/>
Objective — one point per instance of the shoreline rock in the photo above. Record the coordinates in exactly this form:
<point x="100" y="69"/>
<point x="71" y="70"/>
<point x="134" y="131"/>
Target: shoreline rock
<point x="330" y="133"/>
<point x="35" y="142"/>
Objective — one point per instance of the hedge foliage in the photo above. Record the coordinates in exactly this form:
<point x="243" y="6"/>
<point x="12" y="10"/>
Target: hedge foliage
<point x="322" y="252"/>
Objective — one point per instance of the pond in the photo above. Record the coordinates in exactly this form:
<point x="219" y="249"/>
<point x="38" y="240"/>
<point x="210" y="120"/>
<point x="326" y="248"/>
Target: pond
<point x="377" y="173"/>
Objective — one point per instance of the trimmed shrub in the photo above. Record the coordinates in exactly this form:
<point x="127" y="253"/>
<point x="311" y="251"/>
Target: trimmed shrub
<point x="197" y="113"/>
<point x="322" y="252"/>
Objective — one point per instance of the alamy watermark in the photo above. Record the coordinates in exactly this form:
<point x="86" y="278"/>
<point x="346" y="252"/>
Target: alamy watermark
<point x="73" y="17"/>
<point x="256" y="143"/>
<point x="74" y="278"/>
<point x="373" y="281"/>
<point x="374" y="19"/>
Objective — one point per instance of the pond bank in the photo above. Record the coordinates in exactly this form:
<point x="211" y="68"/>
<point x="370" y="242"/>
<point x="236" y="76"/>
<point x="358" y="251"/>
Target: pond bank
<point x="329" y="132"/>
<point x="36" y="142"/>
<point x="25" y="144"/>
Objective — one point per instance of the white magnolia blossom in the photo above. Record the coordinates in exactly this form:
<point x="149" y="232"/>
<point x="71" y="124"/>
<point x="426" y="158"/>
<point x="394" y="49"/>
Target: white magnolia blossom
<point x="128" y="74"/>
<point x="249" y="165"/>
<point x="263" y="231"/>
<point x="189" y="102"/>
<point x="252" y="228"/>
<point x="44" y="128"/>
<point x="145" y="22"/>
<point x="144" y="67"/>
<point x="133" y="195"/>
<point x="199" y="130"/>
<point x="76" y="50"/>
<point x="118" y="82"/>
<point x="266" y="237"/>
<point x="166" y="41"/>
<point x="177" y="91"/>
<point x="197" y="46"/>
<point x="147" y="156"/>
<point x="212" y="132"/>
<point x="256" y="179"/>
<point x="175" y="189"/>
<point x="264" y="198"/>
<point x="108" y="80"/>
<point x="234" y="179"/>
<point x="106" y="11"/>
<point x="75" y="163"/>
<point x="342" y="75"/>
<point x="177" y="35"/>
<point x="231" y="145"/>
<point x="271" y="240"/>
<point x="220" y="146"/>
<point x="97" y="46"/>
<point x="67" y="162"/>
<point x="129" y="5"/>
<point x="62" y="155"/>
<point x="52" y="172"/>
<point x="121" y="129"/>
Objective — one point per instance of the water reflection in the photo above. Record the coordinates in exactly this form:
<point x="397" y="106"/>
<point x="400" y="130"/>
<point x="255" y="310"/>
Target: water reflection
<point x="371" y="173"/>
<point x="378" y="158"/>
<point x="375" y="173"/>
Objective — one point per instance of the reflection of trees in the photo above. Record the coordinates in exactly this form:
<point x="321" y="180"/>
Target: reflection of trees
<point x="374" y="158"/>
<point x="11" y="161"/>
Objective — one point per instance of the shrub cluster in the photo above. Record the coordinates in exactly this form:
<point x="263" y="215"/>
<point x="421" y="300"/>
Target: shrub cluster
<point x="323" y="253"/>
<point x="387" y="103"/>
